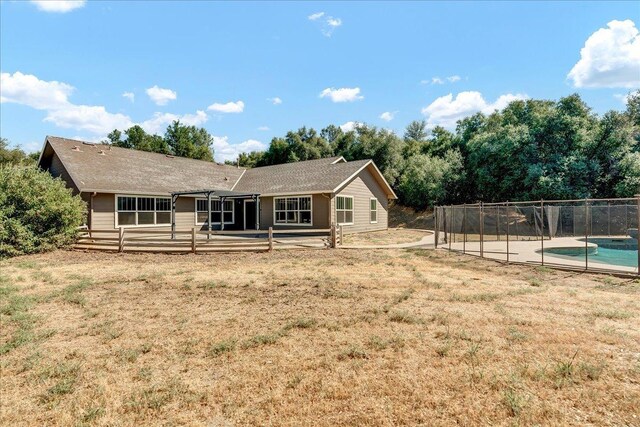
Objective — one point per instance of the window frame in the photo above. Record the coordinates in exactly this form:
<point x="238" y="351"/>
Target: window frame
<point x="352" y="210"/>
<point x="155" y="211"/>
<point x="233" y="211"/>
<point x="371" y="199"/>
<point x="298" y="210"/>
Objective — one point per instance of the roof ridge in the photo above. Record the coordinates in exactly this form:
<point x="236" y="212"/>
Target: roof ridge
<point x="115" y="147"/>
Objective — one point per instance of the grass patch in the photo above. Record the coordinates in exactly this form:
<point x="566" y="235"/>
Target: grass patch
<point x="353" y="352"/>
<point x="405" y="317"/>
<point x="612" y="314"/>
<point x="222" y="347"/>
<point x="16" y="309"/>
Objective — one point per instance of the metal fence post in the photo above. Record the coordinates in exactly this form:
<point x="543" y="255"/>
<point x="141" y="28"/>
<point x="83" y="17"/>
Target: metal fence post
<point x="450" y="227"/>
<point x="638" y="229"/>
<point x="542" y="230"/>
<point x="507" y="232"/>
<point x="464" y="228"/>
<point x="436" y="231"/>
<point x="586" y="234"/>
<point x="481" y="230"/>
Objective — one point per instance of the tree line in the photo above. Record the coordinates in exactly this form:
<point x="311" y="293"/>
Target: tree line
<point x="532" y="149"/>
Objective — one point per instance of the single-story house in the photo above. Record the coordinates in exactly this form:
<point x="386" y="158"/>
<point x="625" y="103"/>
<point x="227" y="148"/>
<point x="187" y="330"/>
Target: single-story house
<point x="131" y="188"/>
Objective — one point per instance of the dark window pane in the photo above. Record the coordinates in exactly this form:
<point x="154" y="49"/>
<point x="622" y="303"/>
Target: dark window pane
<point x="340" y="217"/>
<point x="228" y="205"/>
<point x="146" y="204"/>
<point x="280" y="204"/>
<point x="305" y="217"/>
<point x="340" y="203"/>
<point x="373" y="204"/>
<point x="201" y="205"/>
<point x="228" y="217"/>
<point x="163" y="218"/>
<point x="348" y="217"/>
<point x="215" y="205"/>
<point x="281" y="217"/>
<point x="163" y="204"/>
<point x="215" y="216"/>
<point x="305" y="203"/>
<point x="374" y="216"/>
<point x="292" y="217"/>
<point x="348" y="203"/>
<point x="126" y="203"/>
<point x="292" y="204"/>
<point x="145" y="218"/>
<point x="126" y="218"/>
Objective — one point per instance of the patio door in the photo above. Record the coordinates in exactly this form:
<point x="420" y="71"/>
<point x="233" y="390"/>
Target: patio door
<point x="249" y="214"/>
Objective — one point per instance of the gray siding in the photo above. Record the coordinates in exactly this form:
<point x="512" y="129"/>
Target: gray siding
<point x="364" y="187"/>
<point x="319" y="214"/>
<point x="58" y="170"/>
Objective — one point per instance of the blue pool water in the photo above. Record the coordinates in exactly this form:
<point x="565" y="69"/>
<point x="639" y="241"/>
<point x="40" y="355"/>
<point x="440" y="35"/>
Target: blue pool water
<point x="624" y="257"/>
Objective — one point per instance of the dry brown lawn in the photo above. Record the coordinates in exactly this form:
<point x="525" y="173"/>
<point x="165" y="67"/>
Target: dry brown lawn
<point x="385" y="237"/>
<point x="317" y="337"/>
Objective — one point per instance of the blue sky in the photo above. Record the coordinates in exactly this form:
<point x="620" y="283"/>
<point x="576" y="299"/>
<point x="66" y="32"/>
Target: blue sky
<point x="66" y="67"/>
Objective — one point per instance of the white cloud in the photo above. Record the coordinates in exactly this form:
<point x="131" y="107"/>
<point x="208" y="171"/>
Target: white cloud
<point x="53" y="98"/>
<point x="130" y="96"/>
<point x="94" y="119"/>
<point x="446" y="110"/>
<point x="223" y="150"/>
<point x="161" y="96"/>
<point x="315" y="16"/>
<point x="275" y="100"/>
<point x="263" y="128"/>
<point x="27" y="89"/>
<point x="349" y="126"/>
<point x="610" y="58"/>
<point x="439" y="81"/>
<point x="58" y="6"/>
<point x="229" y="107"/>
<point x="387" y="116"/>
<point x="327" y="23"/>
<point x="344" y="94"/>
<point x="159" y="122"/>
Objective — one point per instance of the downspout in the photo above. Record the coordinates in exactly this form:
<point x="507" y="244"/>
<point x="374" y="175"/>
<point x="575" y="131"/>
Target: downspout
<point x="91" y="211"/>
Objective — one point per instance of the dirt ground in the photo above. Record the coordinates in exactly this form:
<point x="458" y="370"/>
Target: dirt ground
<point x="313" y="338"/>
<point x="385" y="237"/>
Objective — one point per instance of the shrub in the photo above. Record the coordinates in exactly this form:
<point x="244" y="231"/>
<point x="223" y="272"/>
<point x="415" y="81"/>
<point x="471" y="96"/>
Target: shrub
<point x="37" y="212"/>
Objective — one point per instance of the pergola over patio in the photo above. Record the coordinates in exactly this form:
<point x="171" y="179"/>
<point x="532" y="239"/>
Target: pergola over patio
<point x="209" y="194"/>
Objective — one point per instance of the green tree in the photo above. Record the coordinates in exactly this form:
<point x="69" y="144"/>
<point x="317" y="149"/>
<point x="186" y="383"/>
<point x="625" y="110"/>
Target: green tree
<point x="37" y="212"/>
<point x="189" y="141"/>
<point x="429" y="180"/>
<point x="13" y="155"/>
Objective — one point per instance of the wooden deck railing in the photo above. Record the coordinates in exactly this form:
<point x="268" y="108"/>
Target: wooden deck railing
<point x="198" y="241"/>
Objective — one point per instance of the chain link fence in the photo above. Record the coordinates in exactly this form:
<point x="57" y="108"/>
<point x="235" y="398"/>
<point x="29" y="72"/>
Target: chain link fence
<point x="587" y="234"/>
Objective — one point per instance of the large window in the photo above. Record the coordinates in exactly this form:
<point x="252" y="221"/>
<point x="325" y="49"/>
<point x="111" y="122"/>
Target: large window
<point x="216" y="211"/>
<point x="292" y="210"/>
<point x="132" y="210"/>
<point x="373" y="210"/>
<point x="344" y="210"/>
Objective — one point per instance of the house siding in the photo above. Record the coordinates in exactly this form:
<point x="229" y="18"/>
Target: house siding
<point x="320" y="213"/>
<point x="364" y="187"/>
<point x="58" y="170"/>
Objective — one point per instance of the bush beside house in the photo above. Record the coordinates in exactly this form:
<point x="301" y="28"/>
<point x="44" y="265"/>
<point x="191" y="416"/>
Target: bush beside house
<point x="37" y="212"/>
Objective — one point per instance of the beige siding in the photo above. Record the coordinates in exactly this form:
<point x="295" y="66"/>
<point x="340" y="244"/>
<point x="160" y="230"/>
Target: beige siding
<point x="104" y="213"/>
<point x="364" y="187"/>
<point x="320" y="213"/>
<point x="58" y="170"/>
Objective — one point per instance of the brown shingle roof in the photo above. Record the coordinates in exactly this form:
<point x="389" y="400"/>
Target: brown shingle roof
<point x="95" y="167"/>
<point x="313" y="176"/>
<point x="100" y="168"/>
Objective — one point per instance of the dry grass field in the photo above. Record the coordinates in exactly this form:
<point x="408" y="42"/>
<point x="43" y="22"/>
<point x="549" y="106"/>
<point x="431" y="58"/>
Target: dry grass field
<point x="312" y="338"/>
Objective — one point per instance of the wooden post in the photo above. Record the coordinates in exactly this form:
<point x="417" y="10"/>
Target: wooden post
<point x="436" y="231"/>
<point x="121" y="240"/>
<point x="464" y="228"/>
<point x="334" y="236"/>
<point x="193" y="240"/>
<point x="209" y="215"/>
<point x="341" y="241"/>
<point x="270" y="239"/>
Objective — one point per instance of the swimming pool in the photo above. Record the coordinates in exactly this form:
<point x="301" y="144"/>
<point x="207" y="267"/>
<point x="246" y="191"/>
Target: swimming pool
<point x="623" y="257"/>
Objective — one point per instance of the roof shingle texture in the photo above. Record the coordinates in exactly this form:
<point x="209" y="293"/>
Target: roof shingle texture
<point x="311" y="176"/>
<point x="139" y="172"/>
